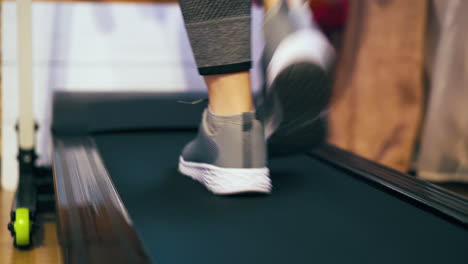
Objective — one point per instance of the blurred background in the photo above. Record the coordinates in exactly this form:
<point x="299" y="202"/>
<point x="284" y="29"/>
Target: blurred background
<point x="400" y="95"/>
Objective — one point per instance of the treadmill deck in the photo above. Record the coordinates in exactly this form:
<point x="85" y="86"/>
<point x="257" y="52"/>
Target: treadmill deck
<point x="315" y="214"/>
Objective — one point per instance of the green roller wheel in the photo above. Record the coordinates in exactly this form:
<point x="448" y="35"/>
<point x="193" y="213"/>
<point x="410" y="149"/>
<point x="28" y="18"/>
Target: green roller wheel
<point x="22" y="227"/>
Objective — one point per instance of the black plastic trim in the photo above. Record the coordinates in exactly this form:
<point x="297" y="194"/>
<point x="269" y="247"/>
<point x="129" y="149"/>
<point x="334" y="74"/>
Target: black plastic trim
<point x="423" y="194"/>
<point x="224" y="69"/>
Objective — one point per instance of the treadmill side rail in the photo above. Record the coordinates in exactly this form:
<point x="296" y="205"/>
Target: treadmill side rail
<point x="424" y="194"/>
<point x="95" y="225"/>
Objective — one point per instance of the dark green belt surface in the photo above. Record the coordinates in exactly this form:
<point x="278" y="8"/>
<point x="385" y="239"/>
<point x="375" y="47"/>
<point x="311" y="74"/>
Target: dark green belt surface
<point x="316" y="213"/>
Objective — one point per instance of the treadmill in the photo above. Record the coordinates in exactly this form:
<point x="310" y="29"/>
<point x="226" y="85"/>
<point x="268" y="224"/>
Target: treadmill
<point x="120" y="199"/>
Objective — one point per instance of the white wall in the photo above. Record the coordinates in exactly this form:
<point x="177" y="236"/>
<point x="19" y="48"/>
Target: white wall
<point x="96" y="46"/>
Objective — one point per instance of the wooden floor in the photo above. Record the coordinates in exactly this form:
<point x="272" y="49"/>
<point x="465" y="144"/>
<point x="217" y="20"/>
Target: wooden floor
<point x="47" y="249"/>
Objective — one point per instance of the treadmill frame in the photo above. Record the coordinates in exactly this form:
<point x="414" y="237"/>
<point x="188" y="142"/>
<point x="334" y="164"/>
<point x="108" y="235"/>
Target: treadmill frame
<point x="86" y="210"/>
<point x="34" y="191"/>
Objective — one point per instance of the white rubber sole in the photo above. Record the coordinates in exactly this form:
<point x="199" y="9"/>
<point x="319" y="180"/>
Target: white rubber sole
<point x="227" y="181"/>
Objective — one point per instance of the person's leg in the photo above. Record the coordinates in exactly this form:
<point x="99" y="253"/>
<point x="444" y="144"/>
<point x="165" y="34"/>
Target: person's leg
<point x="219" y="33"/>
<point x="228" y="154"/>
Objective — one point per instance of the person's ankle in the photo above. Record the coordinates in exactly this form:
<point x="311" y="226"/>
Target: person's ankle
<point x="229" y="110"/>
<point x="269" y="4"/>
<point x="230" y="94"/>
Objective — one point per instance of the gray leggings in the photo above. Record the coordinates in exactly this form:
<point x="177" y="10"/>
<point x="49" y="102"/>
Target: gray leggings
<point x="219" y="33"/>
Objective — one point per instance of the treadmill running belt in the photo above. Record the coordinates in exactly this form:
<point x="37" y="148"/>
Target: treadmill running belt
<point x="316" y="213"/>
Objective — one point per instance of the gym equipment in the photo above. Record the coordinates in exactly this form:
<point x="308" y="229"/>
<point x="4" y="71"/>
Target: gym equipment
<point x="121" y="200"/>
<point x="35" y="190"/>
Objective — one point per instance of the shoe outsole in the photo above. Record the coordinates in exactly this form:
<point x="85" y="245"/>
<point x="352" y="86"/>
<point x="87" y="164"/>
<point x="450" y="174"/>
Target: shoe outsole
<point x="227" y="181"/>
<point x="300" y="96"/>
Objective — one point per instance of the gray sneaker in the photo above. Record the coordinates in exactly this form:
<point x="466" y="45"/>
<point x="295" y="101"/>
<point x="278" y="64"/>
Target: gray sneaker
<point x="296" y="61"/>
<point x="228" y="155"/>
